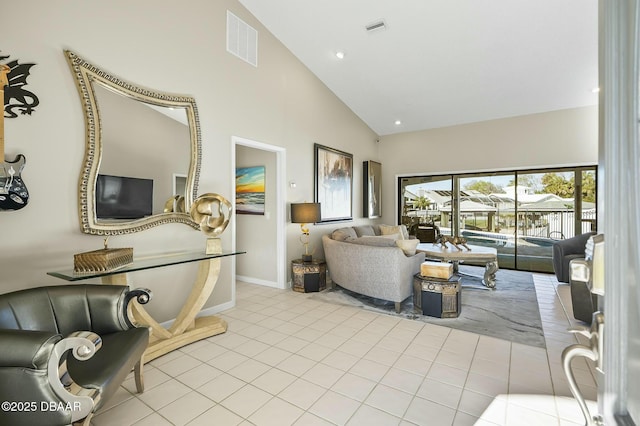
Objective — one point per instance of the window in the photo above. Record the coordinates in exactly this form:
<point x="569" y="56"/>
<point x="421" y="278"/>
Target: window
<point x="520" y="213"/>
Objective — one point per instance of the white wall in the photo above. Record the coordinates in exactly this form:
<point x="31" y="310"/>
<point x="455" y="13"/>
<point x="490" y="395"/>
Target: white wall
<point x="558" y="138"/>
<point x="173" y="47"/>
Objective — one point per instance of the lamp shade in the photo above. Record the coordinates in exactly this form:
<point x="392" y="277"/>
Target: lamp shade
<point x="305" y="212"/>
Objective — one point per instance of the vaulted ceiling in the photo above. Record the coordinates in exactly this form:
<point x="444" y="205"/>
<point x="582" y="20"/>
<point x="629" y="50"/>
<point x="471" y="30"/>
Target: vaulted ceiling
<point x="438" y="63"/>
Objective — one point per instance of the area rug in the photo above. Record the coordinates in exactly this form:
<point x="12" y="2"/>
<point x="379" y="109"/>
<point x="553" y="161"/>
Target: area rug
<point x="509" y="312"/>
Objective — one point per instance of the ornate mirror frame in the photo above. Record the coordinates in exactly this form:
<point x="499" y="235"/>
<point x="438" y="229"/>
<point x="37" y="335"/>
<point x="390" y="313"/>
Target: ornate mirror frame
<point x="86" y="75"/>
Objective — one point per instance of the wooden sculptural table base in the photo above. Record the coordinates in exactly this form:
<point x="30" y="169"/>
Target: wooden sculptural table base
<point x="186" y="328"/>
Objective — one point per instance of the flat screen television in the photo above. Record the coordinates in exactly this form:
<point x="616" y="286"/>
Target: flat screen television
<point x="119" y="197"/>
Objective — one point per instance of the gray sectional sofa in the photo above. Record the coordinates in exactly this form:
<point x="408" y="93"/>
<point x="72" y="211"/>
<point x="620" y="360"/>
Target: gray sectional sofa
<point x="364" y="261"/>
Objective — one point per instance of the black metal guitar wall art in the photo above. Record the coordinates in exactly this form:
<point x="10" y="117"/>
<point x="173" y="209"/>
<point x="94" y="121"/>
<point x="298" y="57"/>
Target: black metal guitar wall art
<point x="13" y="192"/>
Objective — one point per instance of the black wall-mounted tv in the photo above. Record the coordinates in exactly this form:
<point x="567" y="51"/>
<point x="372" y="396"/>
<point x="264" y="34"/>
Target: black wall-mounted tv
<point x="119" y="197"/>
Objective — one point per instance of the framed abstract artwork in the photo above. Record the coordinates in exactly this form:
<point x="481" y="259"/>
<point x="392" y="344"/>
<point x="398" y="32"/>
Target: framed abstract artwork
<point x="333" y="183"/>
<point x="372" y="189"/>
<point x="250" y="190"/>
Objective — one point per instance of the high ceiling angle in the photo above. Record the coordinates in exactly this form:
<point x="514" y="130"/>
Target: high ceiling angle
<point x="420" y="64"/>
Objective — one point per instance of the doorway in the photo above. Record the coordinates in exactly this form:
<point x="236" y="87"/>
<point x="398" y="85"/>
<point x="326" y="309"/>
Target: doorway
<point x="260" y="231"/>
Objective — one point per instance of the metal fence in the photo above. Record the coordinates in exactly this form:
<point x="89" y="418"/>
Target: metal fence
<point x="557" y="225"/>
<point x="551" y="224"/>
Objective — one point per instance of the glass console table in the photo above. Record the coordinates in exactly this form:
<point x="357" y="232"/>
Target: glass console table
<point x="186" y="328"/>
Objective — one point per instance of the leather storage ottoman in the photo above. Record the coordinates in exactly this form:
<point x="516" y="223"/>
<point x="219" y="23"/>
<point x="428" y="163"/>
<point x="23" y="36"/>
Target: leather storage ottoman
<point x="437" y="297"/>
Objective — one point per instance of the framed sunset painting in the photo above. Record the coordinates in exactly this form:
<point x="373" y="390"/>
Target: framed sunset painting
<point x="250" y="190"/>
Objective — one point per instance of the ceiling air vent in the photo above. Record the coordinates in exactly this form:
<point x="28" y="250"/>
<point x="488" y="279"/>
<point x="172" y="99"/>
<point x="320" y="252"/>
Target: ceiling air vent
<point x="242" y="39"/>
<point x="376" y="26"/>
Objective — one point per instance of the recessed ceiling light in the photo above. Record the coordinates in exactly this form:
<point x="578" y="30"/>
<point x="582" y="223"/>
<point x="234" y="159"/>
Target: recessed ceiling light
<point x="340" y="54"/>
<point x="397" y="122"/>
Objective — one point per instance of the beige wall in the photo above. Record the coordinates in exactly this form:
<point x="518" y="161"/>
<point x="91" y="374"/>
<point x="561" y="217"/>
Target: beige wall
<point x="559" y="138"/>
<point x="256" y="234"/>
<point x="172" y="47"/>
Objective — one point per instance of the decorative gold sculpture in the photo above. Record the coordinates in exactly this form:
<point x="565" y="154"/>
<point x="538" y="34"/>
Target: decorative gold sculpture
<point x="175" y="204"/>
<point x="207" y="211"/>
<point x="455" y="241"/>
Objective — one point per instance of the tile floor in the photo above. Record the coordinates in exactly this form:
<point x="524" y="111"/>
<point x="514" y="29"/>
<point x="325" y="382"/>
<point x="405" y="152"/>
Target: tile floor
<point x="290" y="360"/>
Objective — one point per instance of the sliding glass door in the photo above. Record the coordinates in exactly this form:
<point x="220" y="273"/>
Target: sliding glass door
<point x="424" y="201"/>
<point x="519" y="213"/>
<point x="546" y="212"/>
<point x="487" y="213"/>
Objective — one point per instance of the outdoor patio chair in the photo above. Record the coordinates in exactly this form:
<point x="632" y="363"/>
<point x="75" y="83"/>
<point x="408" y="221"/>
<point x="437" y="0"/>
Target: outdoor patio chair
<point x="564" y="251"/>
<point x="425" y="233"/>
<point x="583" y="302"/>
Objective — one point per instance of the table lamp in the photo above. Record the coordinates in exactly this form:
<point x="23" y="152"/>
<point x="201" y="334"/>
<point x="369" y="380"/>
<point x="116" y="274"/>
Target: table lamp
<point x="304" y="213"/>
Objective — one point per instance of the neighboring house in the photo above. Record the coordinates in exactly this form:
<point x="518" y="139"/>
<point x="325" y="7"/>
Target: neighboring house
<point x="526" y="194"/>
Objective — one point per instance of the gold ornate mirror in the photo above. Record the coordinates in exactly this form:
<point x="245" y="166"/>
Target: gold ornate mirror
<point x="142" y="154"/>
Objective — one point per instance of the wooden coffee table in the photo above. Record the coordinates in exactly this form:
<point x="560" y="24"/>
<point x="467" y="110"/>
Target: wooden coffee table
<point x="477" y="253"/>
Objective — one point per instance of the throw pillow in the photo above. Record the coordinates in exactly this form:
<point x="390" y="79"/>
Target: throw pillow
<point x="408" y="246"/>
<point x="364" y="230"/>
<point x="375" y="241"/>
<point x="343" y="234"/>
<point x="395" y="236"/>
<point x="396" y="229"/>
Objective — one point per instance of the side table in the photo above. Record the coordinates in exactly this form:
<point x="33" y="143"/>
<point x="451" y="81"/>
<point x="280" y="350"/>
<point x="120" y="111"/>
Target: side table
<point x="309" y="276"/>
<point x="437" y="297"/>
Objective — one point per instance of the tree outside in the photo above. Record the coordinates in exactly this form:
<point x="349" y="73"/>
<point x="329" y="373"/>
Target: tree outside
<point x="558" y="185"/>
<point x="589" y="187"/>
<point x="565" y="188"/>
<point x="530" y="181"/>
<point x="548" y="183"/>
<point x="421" y="202"/>
<point x="483" y="187"/>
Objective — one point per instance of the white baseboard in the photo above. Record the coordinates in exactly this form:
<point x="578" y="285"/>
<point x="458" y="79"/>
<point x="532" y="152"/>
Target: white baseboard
<point x="205" y="312"/>
<point x="215" y="309"/>
<point x="258" y="281"/>
<point x="228" y="305"/>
